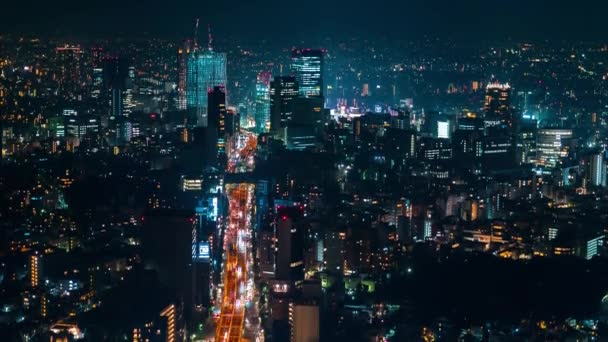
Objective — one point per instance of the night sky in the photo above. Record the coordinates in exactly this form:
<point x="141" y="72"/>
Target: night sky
<point x="470" y="19"/>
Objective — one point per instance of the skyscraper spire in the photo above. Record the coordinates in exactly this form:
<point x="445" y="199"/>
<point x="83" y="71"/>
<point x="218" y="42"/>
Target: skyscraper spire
<point x="210" y="37"/>
<point x="196" y="36"/>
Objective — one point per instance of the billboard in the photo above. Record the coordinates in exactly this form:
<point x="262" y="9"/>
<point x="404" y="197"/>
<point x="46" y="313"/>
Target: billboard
<point x="203" y="252"/>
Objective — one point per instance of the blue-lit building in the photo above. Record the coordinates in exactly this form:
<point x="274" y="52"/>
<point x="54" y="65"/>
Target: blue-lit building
<point x="307" y="67"/>
<point x="262" y="103"/>
<point x="205" y="70"/>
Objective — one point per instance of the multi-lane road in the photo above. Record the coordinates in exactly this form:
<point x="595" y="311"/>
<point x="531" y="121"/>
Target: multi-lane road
<point x="238" y="319"/>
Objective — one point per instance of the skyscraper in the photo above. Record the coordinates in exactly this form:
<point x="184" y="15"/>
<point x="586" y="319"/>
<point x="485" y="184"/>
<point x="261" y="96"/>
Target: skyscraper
<point x="216" y="103"/>
<point x="283" y="91"/>
<point x="183" y="54"/>
<point x="262" y="102"/>
<point x="498" y="103"/>
<point x="115" y="73"/>
<point x="307" y="67"/>
<point x="290" y="249"/>
<point x="205" y="70"/>
<point x="552" y="145"/>
<point x="70" y="76"/>
<point x="598" y="169"/>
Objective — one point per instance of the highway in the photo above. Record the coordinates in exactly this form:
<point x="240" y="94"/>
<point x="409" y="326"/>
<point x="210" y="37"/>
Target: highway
<point x="238" y="319"/>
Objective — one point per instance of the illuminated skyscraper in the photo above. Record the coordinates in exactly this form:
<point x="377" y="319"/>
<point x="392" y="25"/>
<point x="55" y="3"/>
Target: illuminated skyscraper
<point x="217" y="115"/>
<point x="115" y="72"/>
<point x="598" y="169"/>
<point x="552" y="145"/>
<point x="283" y="91"/>
<point x="183" y="53"/>
<point x="262" y="102"/>
<point x="205" y="70"/>
<point x="307" y="67"/>
<point x="498" y="103"/>
<point x="70" y="76"/>
<point x="35" y="270"/>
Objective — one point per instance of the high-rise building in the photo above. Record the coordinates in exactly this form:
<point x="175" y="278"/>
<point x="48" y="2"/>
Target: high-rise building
<point x="232" y="122"/>
<point x="598" y="169"/>
<point x="35" y="270"/>
<point x="216" y="103"/>
<point x="205" y="70"/>
<point x="526" y="141"/>
<point x="443" y="129"/>
<point x="183" y="54"/>
<point x="171" y="242"/>
<point x="498" y="104"/>
<point x="307" y="67"/>
<point x="304" y="321"/>
<point x="283" y="92"/>
<point x="71" y="75"/>
<point x="552" y="145"/>
<point x="290" y="246"/>
<point x="262" y="102"/>
<point x="115" y="73"/>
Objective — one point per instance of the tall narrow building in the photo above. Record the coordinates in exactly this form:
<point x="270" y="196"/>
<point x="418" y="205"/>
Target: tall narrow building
<point x="183" y="54"/>
<point x="283" y="92"/>
<point x="70" y="74"/>
<point x="598" y="169"/>
<point x="216" y="101"/>
<point x="497" y="103"/>
<point x="307" y="67"/>
<point x="262" y="102"/>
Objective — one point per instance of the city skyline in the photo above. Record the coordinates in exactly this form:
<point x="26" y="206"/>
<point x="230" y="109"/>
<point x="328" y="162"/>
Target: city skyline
<point x="306" y="172"/>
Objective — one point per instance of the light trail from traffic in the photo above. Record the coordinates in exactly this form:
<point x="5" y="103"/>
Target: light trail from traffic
<point x="238" y="319"/>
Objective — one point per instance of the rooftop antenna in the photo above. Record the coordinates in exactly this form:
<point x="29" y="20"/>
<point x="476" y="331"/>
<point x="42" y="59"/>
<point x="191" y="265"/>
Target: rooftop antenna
<point x="210" y="37"/>
<point x="196" y="36"/>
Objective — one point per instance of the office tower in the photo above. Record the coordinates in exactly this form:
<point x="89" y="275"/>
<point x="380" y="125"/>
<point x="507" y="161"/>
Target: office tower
<point x="498" y="150"/>
<point x="183" y="54"/>
<point x="205" y="70"/>
<point x="470" y="123"/>
<point x="552" y="145"/>
<point x="216" y="104"/>
<point x="430" y="122"/>
<point x="232" y="122"/>
<point x="117" y="102"/>
<point x="444" y="130"/>
<point x="35" y="270"/>
<point x="435" y="149"/>
<point x="97" y="74"/>
<point x="80" y="126"/>
<point x="304" y="320"/>
<point x="401" y="121"/>
<point x="307" y="67"/>
<point x="71" y="75"/>
<point x="115" y="73"/>
<point x="283" y="92"/>
<point x="598" y="169"/>
<point x="167" y="237"/>
<point x="497" y="103"/>
<point x="290" y="246"/>
<point x="400" y="145"/>
<point x="262" y="102"/>
<point x="333" y="255"/>
<point x="306" y="123"/>
<point x="526" y="141"/>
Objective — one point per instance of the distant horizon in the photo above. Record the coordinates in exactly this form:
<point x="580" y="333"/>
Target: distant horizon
<point x="413" y="19"/>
